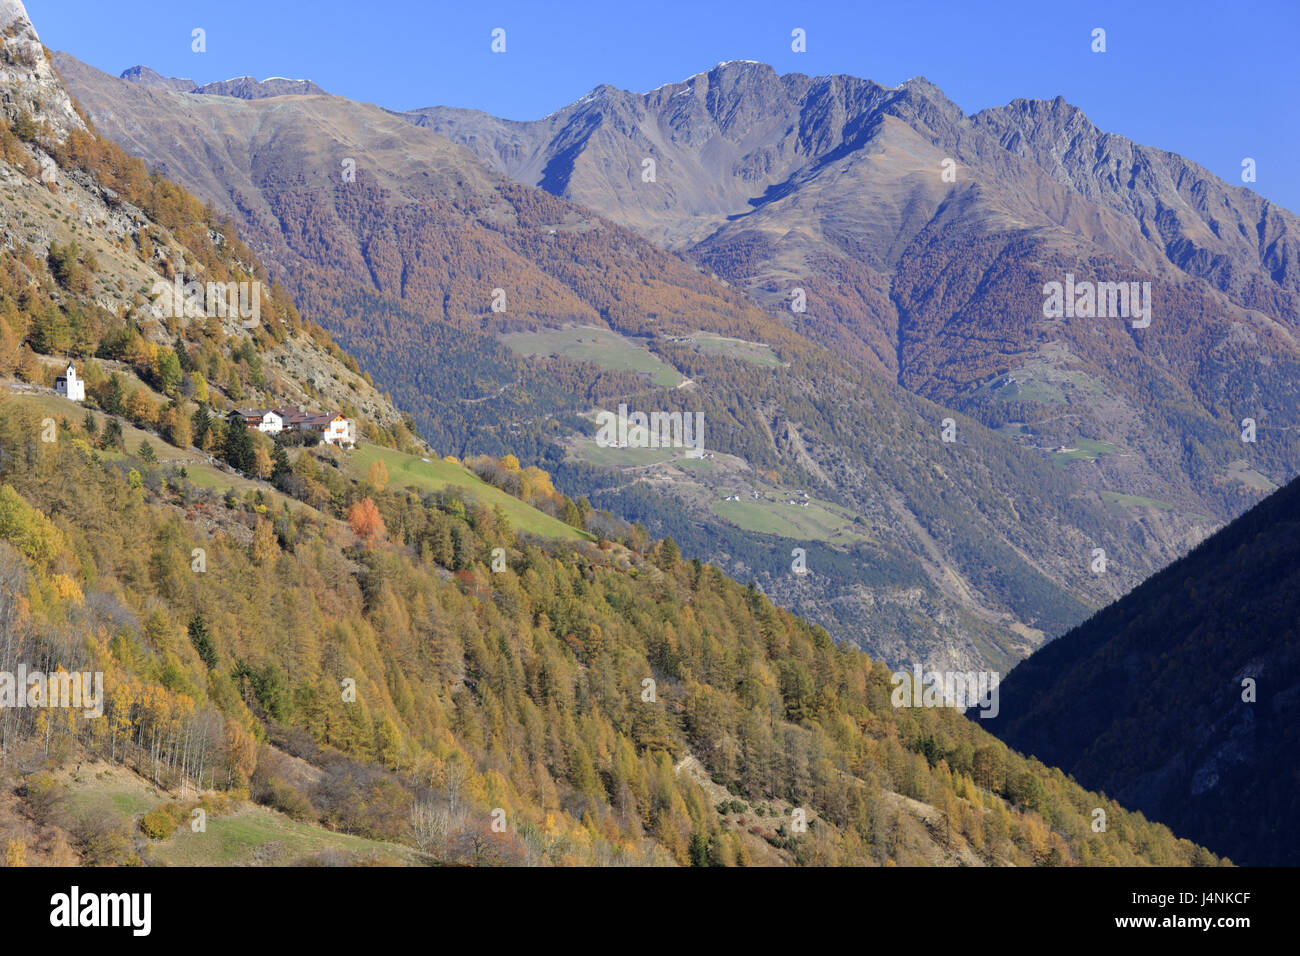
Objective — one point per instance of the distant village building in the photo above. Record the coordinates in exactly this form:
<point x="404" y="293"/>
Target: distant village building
<point x="332" y="427"/>
<point x="69" y="386"/>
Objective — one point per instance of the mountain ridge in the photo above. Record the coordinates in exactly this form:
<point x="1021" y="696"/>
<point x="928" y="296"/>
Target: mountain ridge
<point x="240" y="87"/>
<point x="921" y="238"/>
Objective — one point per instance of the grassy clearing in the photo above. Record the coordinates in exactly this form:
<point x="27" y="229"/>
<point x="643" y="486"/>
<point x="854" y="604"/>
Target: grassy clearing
<point x="249" y="836"/>
<point x="1083" y="449"/>
<point x="97" y="795"/>
<point x="1033" y="390"/>
<point x="56" y="406"/>
<point x="254" y="835"/>
<point x="1043" y="383"/>
<point x="1135" y="501"/>
<point x="1241" y="471"/>
<point x="586" y="449"/>
<point x="819" y="521"/>
<point x="602" y="347"/>
<point x="700" y="465"/>
<point x="435" y="475"/>
<point x="755" y="353"/>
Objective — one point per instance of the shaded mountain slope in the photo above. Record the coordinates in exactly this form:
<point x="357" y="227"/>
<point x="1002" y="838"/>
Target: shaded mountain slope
<point x="1181" y="699"/>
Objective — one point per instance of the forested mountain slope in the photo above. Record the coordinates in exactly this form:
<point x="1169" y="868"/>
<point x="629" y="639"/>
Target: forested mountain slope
<point x="379" y="679"/>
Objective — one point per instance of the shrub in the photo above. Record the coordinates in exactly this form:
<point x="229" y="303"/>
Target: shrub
<point x="103" y="835"/>
<point x="158" y="824"/>
<point x="281" y="796"/>
<point x="24" y="128"/>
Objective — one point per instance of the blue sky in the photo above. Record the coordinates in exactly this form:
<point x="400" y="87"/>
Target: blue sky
<point x="1214" y="81"/>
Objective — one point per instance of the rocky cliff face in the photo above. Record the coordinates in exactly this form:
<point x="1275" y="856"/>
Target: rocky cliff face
<point x="1233" y="238"/>
<point x="29" y="85"/>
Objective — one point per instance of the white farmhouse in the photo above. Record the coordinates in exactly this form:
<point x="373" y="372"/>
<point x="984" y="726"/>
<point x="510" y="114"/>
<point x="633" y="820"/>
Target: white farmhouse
<point x="69" y="386"/>
<point x="334" y="429"/>
<point x="261" y="420"/>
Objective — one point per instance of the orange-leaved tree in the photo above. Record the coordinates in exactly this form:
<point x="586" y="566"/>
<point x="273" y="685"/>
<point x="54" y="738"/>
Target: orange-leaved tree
<point x="366" y="521"/>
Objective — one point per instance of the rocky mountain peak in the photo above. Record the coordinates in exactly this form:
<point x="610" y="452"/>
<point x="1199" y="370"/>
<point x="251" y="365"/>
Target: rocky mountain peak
<point x="251" y="88"/>
<point x="922" y="88"/>
<point x="740" y="78"/>
<point x="149" y="77"/>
